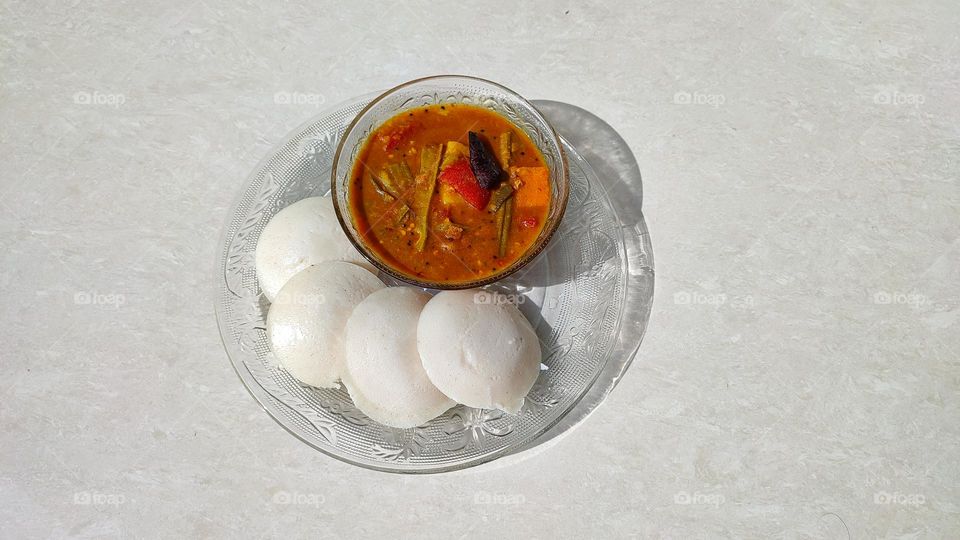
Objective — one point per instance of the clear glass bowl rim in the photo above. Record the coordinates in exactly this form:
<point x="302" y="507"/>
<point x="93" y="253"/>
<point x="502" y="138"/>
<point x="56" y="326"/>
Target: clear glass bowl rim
<point x="563" y="189"/>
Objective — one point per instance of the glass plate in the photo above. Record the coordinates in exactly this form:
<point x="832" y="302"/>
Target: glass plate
<point x="588" y="296"/>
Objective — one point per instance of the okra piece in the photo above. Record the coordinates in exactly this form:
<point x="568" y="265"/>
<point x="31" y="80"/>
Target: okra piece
<point x="503" y="221"/>
<point x="500" y="196"/>
<point x="382" y="188"/>
<point x="426" y="182"/>
<point x="505" y="149"/>
<point x="390" y="184"/>
<point x="403" y="212"/>
<point x="400" y="176"/>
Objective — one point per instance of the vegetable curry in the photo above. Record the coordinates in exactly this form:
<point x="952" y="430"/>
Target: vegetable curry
<point x="449" y="193"/>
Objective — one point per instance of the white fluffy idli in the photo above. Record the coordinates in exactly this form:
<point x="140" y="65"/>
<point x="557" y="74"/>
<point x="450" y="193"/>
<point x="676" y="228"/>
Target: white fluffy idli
<point x="484" y="355"/>
<point x="303" y="234"/>
<point x="306" y="321"/>
<point x="384" y="375"/>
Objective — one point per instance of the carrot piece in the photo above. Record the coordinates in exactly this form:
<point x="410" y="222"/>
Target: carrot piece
<point x="534" y="190"/>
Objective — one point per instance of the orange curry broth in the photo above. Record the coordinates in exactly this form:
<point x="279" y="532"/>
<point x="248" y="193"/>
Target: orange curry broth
<point x="475" y="254"/>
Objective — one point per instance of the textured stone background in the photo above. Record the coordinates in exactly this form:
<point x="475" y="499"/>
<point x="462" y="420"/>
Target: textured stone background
<point x="799" y="378"/>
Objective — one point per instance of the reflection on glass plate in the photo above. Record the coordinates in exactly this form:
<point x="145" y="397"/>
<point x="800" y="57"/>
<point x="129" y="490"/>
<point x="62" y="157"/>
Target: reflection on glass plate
<point x="588" y="295"/>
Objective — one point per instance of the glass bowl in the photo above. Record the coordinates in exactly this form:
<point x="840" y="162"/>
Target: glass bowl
<point x="437" y="90"/>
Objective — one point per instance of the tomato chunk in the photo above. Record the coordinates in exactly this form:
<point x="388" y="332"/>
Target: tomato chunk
<point x="392" y="139"/>
<point x="460" y="177"/>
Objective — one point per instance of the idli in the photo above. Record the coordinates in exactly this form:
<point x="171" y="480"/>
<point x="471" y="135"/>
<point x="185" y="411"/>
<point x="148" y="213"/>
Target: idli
<point x="384" y="375"/>
<point x="305" y="233"/>
<point x="484" y="355"/>
<point x="306" y="322"/>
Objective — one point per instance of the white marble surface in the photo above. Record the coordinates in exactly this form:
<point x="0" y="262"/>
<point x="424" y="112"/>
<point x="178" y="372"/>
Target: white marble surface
<point x="799" y="378"/>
